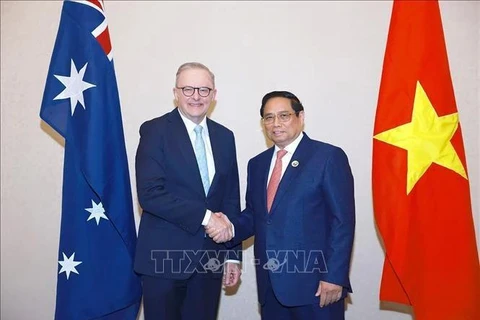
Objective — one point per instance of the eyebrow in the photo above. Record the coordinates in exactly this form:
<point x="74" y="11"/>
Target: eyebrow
<point x="280" y="112"/>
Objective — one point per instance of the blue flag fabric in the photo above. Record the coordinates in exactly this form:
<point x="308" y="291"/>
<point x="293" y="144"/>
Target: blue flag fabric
<point x="97" y="238"/>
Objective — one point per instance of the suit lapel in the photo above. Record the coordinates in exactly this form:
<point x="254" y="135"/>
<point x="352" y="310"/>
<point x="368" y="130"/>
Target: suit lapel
<point x="301" y="156"/>
<point x="182" y="140"/>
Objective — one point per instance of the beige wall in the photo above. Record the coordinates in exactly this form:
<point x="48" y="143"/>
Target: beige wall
<point x="329" y="53"/>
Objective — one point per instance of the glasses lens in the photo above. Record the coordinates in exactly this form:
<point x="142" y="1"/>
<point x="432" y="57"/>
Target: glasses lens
<point x="204" y="91"/>
<point x="268" y="118"/>
<point x="188" y="91"/>
<point x="284" y="117"/>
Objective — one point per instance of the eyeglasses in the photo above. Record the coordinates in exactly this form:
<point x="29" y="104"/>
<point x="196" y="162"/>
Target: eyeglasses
<point x="282" y="117"/>
<point x="190" y="91"/>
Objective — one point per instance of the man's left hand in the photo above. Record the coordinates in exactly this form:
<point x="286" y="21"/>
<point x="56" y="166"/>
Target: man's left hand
<point x="329" y="293"/>
<point x="231" y="274"/>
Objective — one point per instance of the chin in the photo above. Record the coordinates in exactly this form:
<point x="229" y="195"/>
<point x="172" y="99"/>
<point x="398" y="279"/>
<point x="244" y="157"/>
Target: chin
<point x="278" y="143"/>
<point x="197" y="112"/>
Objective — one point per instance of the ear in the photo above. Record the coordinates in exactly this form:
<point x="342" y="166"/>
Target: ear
<point x="175" y="94"/>
<point x="214" y="94"/>
<point x="301" y="115"/>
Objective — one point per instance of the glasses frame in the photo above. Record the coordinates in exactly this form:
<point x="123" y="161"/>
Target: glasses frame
<point x="277" y="115"/>
<point x="195" y="89"/>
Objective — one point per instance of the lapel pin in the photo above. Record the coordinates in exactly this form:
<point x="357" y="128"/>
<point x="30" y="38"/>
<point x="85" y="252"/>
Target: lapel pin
<point x="295" y="163"/>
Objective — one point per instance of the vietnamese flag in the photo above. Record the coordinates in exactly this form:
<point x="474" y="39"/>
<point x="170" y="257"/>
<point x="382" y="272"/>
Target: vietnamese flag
<point x="420" y="180"/>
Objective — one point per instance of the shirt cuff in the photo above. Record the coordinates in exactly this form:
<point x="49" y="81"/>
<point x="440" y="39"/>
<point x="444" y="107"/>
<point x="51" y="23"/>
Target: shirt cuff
<point x="233" y="261"/>
<point x="208" y="214"/>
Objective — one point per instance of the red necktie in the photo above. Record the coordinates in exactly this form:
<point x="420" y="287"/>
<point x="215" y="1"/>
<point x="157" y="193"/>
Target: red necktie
<point x="275" y="178"/>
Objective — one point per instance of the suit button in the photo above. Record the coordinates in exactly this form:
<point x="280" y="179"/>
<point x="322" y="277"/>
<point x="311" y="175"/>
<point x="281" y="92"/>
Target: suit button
<point x="269" y="221"/>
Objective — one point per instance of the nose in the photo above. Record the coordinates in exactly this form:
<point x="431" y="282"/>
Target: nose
<point x="276" y="121"/>
<point x="196" y="94"/>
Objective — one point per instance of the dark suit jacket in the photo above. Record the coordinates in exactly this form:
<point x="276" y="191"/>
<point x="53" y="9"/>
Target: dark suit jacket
<point x="171" y="239"/>
<point x="308" y="235"/>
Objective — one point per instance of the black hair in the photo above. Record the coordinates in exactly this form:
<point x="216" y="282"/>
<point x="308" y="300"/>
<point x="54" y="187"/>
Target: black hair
<point x="294" y="101"/>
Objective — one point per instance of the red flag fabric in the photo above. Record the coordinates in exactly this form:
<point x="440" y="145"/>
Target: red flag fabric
<point x="420" y="183"/>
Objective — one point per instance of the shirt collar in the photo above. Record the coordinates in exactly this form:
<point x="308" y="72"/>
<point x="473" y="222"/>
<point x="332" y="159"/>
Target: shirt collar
<point x="190" y="125"/>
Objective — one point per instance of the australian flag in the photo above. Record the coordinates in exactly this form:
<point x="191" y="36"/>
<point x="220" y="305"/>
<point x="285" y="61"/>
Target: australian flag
<point x="97" y="237"/>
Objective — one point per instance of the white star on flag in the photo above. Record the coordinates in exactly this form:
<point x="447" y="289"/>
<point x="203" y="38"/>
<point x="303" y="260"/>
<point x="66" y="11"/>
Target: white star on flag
<point x="97" y="212"/>
<point x="74" y="86"/>
<point x="69" y="264"/>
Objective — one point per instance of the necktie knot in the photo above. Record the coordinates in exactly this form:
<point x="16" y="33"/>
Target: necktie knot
<point x="281" y="154"/>
<point x="198" y="129"/>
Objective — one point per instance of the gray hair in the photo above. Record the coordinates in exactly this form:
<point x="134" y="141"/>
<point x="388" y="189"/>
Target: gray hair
<point x="194" y="65"/>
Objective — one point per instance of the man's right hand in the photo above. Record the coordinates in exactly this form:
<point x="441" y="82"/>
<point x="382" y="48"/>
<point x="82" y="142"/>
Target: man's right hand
<point x="219" y="228"/>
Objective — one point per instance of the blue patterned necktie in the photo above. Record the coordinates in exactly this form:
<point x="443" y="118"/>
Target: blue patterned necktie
<point x="201" y="156"/>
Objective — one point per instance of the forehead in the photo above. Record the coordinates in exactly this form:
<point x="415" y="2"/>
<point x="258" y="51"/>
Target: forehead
<point x="195" y="77"/>
<point x="277" y="104"/>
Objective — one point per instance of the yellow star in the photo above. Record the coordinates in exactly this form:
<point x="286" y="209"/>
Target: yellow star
<point x="426" y="138"/>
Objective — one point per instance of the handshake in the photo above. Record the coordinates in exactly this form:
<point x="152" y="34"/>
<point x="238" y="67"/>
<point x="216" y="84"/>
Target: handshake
<point x="219" y="228"/>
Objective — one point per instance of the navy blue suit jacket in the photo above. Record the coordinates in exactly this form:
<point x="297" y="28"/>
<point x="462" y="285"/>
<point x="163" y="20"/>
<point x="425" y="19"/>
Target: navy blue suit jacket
<point x="171" y="239"/>
<point x="308" y="235"/>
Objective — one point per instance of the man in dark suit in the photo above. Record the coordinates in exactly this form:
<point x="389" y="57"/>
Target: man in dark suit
<point x="300" y="207"/>
<point x="186" y="169"/>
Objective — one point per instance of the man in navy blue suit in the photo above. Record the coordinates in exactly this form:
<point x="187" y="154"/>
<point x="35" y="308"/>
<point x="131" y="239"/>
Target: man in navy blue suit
<point x="300" y="207"/>
<point x="186" y="170"/>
